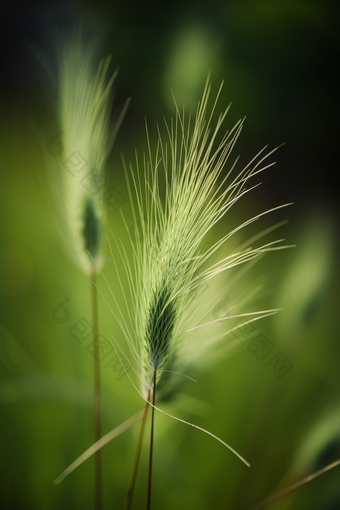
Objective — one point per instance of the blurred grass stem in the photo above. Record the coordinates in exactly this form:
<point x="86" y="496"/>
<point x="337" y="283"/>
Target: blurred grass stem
<point x="97" y="403"/>
<point x="295" y="486"/>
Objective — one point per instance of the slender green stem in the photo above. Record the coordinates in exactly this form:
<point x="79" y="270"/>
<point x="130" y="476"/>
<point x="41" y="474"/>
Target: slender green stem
<point x="129" y="495"/>
<point x="97" y="404"/>
<point x="148" y="501"/>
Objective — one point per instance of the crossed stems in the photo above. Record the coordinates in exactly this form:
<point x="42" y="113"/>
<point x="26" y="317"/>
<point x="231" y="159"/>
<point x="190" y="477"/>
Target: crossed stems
<point x="129" y="495"/>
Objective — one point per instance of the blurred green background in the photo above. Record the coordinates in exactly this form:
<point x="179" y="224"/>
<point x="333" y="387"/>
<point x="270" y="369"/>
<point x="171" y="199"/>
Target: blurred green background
<point x="280" y="63"/>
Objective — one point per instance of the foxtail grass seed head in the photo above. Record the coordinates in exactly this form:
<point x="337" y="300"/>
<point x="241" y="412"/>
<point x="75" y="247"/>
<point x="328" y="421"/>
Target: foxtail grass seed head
<point x="184" y="188"/>
<point x="160" y="324"/>
<point x="77" y="177"/>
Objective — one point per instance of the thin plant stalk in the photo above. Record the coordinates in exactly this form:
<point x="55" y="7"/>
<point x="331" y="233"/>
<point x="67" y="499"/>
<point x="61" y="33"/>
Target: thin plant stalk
<point x="129" y="495"/>
<point x="123" y="427"/>
<point x="295" y="486"/>
<point x="97" y="403"/>
<point x="148" y="501"/>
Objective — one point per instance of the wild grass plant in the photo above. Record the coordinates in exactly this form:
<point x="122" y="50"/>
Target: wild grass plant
<point x="180" y="192"/>
<point x="80" y="98"/>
